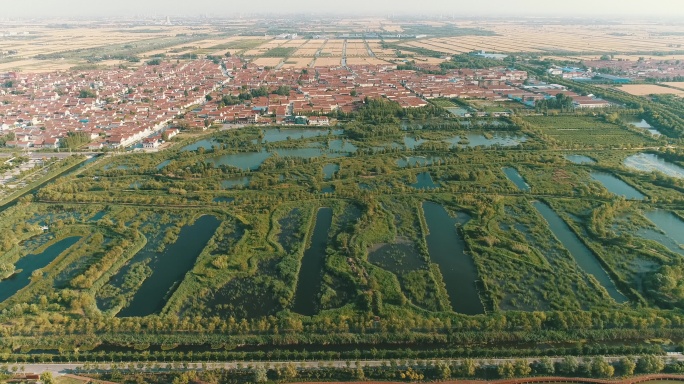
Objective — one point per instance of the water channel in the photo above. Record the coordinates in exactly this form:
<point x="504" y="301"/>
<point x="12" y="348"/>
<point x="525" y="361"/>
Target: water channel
<point x="447" y="250"/>
<point x="586" y="259"/>
<point x="310" y="279"/>
<point x="169" y="268"/>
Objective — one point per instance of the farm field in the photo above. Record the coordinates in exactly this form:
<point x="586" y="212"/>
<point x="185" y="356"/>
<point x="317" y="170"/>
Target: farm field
<point x="79" y="44"/>
<point x="648" y="89"/>
<point x="678" y="85"/>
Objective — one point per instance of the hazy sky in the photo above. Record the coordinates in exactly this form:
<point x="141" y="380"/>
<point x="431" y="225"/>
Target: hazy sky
<point x="78" y="8"/>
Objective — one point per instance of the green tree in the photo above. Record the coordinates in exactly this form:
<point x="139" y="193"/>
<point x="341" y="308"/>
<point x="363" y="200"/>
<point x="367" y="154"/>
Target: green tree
<point x="468" y="368"/>
<point x="522" y="368"/>
<point x="601" y="368"/>
<point x="260" y="374"/>
<point x="47" y="378"/>
<point x="627" y="365"/>
<point x="568" y="365"/>
<point x="650" y="364"/>
<point x="506" y="370"/>
<point x="545" y="366"/>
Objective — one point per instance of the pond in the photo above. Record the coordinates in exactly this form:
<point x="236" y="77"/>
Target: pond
<point x="424" y="181"/>
<point x="617" y="186"/>
<point x="447" y="250"/>
<point x="310" y="274"/>
<point x="342" y="146"/>
<point x="243" y="160"/>
<point x="580" y="159"/>
<point x="253" y="160"/>
<point x="672" y="226"/>
<point x="97" y="216"/>
<point x="235" y="182"/>
<point x="328" y="189"/>
<point x="586" y="259"/>
<point x="329" y="171"/>
<point x="457" y="111"/>
<point x="204" y="143"/>
<point x="169" y="268"/>
<point x="30" y="263"/>
<point x="274" y="135"/>
<point x="413" y="161"/>
<point x="648" y="162"/>
<point x="412" y="142"/>
<point x="515" y="177"/>
<point x="641" y="123"/>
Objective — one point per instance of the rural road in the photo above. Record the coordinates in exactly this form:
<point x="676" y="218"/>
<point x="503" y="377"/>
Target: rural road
<point x="66" y="368"/>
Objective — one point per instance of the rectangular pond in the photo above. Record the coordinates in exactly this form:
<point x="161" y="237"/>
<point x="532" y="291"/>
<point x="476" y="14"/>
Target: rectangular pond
<point x="170" y="267"/>
<point x="310" y="273"/>
<point x="584" y="257"/>
<point x="617" y="186"/>
<point x="447" y="250"/>
<point x="30" y="263"/>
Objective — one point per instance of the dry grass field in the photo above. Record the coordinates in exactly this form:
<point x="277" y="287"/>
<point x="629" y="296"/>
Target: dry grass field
<point x="328" y="61"/>
<point x="268" y="61"/>
<point x="365" y="61"/>
<point x="554" y="40"/>
<point x="649" y="89"/>
<point x="678" y="85"/>
<point x="297" y="62"/>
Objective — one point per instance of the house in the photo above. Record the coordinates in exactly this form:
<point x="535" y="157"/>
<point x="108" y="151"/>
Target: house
<point x="319" y="120"/>
<point x="51" y="142"/>
<point x="150" y="143"/>
<point x="95" y="145"/>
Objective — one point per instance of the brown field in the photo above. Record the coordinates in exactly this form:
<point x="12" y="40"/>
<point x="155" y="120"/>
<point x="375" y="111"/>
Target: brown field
<point x="626" y="41"/>
<point x="356" y="48"/>
<point x="328" y="61"/>
<point x="297" y="62"/>
<point x="376" y="47"/>
<point x="648" y="89"/>
<point x="365" y="61"/>
<point x="267" y="61"/>
<point x="387" y="27"/>
<point x="678" y="85"/>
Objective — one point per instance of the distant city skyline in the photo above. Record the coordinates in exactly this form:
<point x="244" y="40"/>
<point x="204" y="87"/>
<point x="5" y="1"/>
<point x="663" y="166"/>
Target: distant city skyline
<point x="97" y="8"/>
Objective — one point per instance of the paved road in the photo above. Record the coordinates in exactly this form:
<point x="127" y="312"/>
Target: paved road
<point x="65" y="368"/>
